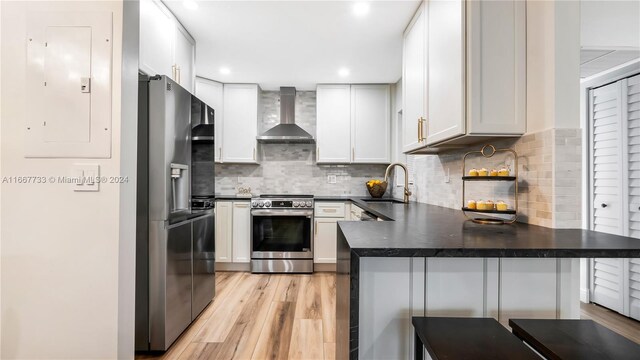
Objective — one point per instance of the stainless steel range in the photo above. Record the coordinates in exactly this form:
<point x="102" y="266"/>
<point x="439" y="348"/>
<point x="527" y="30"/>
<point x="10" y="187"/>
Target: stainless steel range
<point x="282" y="234"/>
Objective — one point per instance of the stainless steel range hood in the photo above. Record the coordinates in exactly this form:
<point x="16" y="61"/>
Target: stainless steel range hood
<point x="287" y="131"/>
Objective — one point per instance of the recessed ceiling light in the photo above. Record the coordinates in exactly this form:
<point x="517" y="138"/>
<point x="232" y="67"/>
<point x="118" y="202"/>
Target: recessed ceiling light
<point x="190" y="4"/>
<point x="225" y="71"/>
<point x="361" y="8"/>
<point x="343" y="72"/>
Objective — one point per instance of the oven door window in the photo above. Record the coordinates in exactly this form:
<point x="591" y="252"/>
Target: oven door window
<point x="281" y="233"/>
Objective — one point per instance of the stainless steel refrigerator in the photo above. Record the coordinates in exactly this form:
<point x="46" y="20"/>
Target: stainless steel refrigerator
<point x="175" y="278"/>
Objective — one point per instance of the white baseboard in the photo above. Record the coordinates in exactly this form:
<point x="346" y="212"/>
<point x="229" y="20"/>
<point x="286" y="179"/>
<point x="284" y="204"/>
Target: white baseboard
<point x="584" y="295"/>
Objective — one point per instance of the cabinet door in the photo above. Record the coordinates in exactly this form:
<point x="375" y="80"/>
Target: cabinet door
<point x="212" y="93"/>
<point x="240" y="123"/>
<point x="333" y="134"/>
<point x="241" y="232"/>
<point x="371" y="124"/>
<point x="224" y="229"/>
<point x="607" y="283"/>
<point x="413" y="81"/>
<point x="156" y="38"/>
<point x="445" y="71"/>
<point x="325" y="240"/>
<point x="496" y="60"/>
<point x="184" y="58"/>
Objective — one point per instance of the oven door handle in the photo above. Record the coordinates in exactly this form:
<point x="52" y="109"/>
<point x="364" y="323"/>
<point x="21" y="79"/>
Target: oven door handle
<point x="281" y="212"/>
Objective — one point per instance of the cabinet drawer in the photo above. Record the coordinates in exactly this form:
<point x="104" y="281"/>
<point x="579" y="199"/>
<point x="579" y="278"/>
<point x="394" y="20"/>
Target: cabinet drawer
<point x="329" y="209"/>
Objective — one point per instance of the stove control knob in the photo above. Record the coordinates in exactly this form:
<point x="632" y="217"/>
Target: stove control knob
<point x="267" y="203"/>
<point x="261" y="203"/>
<point x="254" y="204"/>
<point x="308" y="204"/>
<point x="296" y="204"/>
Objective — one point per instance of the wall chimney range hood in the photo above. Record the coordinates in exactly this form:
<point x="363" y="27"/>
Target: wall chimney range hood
<point x="287" y="131"/>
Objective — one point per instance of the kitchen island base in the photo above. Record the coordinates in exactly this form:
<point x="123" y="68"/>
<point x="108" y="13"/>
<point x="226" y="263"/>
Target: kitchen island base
<point x="387" y="291"/>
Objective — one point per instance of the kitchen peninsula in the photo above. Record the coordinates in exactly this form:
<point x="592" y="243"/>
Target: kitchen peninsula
<point x="428" y="260"/>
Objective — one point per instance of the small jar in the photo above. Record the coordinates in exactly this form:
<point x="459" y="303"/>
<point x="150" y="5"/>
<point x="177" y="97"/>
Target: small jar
<point x="493" y="172"/>
<point x="503" y="172"/>
<point x="481" y="205"/>
<point x="502" y="206"/>
<point x="483" y="172"/>
<point x="473" y="172"/>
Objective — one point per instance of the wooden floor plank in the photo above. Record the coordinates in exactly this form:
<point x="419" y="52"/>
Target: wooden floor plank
<point x="200" y="351"/>
<point x="328" y="299"/>
<point x="306" y="340"/>
<point x="329" y="351"/>
<point x="225" y="313"/>
<point x="275" y="337"/>
<point x="618" y="323"/>
<point x="288" y="288"/>
<point x="242" y="340"/>
<point x="309" y="303"/>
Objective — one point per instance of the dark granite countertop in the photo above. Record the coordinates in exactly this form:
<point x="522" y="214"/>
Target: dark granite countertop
<point x="421" y="230"/>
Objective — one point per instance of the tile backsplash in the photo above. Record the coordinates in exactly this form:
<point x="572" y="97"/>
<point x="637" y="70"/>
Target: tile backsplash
<point x="291" y="168"/>
<point x="549" y="165"/>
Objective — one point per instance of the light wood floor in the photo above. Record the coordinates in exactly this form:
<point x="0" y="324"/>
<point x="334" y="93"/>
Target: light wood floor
<point x="258" y="316"/>
<point x="623" y="325"/>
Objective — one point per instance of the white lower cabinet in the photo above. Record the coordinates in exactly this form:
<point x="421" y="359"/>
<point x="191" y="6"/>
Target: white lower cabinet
<point x="233" y="226"/>
<point x="392" y="290"/>
<point x="325" y="233"/>
<point x="325" y="241"/>
<point x="241" y="232"/>
<point x="224" y="228"/>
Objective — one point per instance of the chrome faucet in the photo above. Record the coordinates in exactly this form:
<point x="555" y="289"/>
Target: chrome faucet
<point x="407" y="193"/>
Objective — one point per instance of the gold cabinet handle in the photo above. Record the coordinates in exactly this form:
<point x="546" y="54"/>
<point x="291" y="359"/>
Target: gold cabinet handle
<point x="254" y="154"/>
<point x="315" y="228"/>
<point x="419" y="129"/>
<point x="178" y="77"/>
<point x="423" y="132"/>
<point x="173" y="71"/>
<point x="353" y="154"/>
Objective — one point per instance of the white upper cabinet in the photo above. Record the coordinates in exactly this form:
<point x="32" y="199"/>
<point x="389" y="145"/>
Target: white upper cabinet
<point x="240" y="123"/>
<point x="445" y="71"/>
<point x="414" y="82"/>
<point x="333" y="140"/>
<point x="156" y="38"/>
<point x="212" y="93"/>
<point x="184" y="59"/>
<point x="166" y="48"/>
<point x="472" y="83"/>
<point x="353" y="124"/>
<point x="371" y="124"/>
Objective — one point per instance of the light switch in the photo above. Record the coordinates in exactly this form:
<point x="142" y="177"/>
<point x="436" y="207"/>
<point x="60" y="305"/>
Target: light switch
<point x="86" y="177"/>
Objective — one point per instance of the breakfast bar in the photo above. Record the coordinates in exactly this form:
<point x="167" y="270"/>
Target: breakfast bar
<point x="426" y="260"/>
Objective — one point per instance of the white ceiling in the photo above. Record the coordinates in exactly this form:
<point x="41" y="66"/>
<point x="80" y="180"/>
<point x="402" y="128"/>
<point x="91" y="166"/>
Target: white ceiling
<point x="297" y="43"/>
<point x="595" y="61"/>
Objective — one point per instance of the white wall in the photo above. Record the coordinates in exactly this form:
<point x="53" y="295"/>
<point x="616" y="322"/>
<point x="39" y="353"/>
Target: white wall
<point x="59" y="260"/>
<point x="599" y="18"/>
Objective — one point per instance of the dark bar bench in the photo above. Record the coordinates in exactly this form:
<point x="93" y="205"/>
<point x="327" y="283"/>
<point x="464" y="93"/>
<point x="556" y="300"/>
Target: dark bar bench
<point x="574" y="339"/>
<point x="467" y="338"/>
